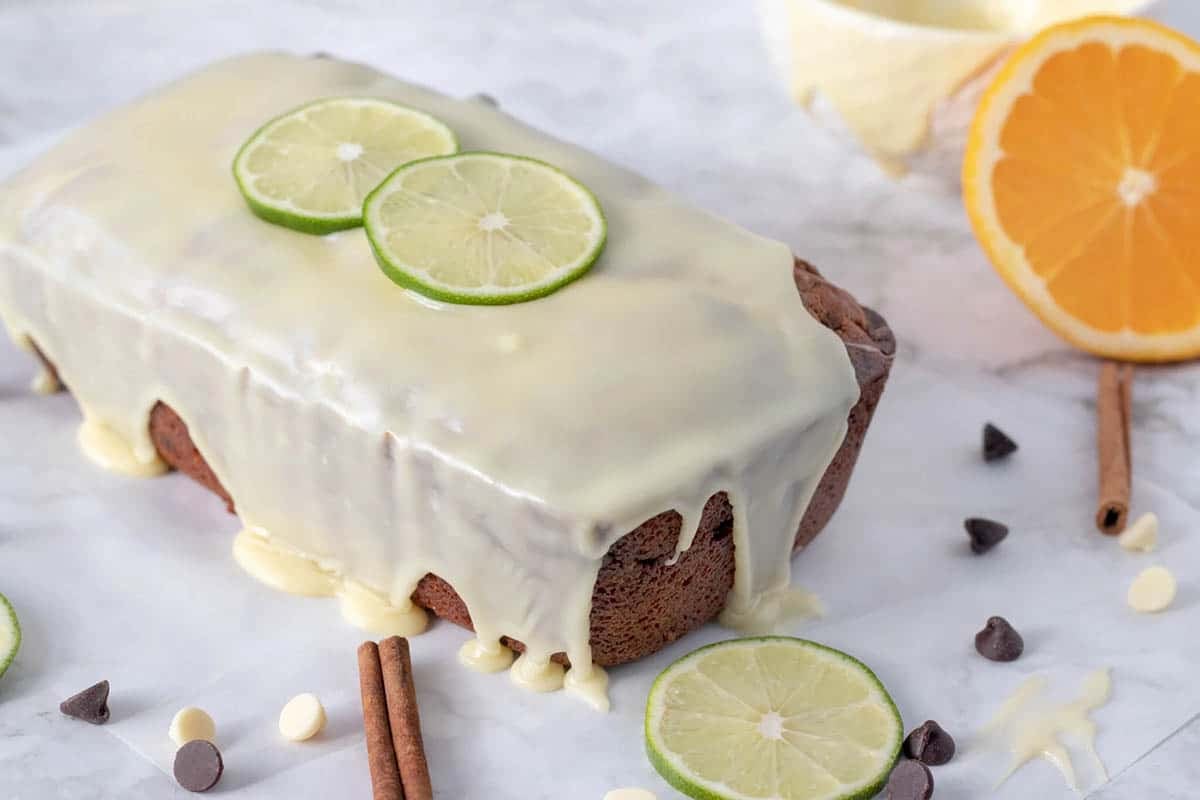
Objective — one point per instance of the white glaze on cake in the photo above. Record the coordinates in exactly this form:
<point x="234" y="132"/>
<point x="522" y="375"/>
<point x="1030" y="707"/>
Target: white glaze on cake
<point x="385" y="436"/>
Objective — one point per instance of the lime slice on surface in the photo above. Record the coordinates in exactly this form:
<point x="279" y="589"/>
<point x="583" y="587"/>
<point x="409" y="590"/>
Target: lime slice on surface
<point x="311" y="168"/>
<point x="772" y="718"/>
<point x="483" y="228"/>
<point x="10" y="634"/>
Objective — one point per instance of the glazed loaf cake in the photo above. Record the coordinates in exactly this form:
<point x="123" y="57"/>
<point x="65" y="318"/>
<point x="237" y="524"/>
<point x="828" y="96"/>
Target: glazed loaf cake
<point x="641" y="601"/>
<point x="585" y="477"/>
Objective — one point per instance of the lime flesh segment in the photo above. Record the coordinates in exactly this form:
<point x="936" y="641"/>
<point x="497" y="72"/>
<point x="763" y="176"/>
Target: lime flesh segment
<point x="483" y="228"/>
<point x="311" y="168"/>
<point x="772" y="718"/>
<point x="10" y="634"/>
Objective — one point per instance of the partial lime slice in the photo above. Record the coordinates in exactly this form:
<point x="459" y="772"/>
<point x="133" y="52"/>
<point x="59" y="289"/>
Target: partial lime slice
<point x="10" y="634"/>
<point x="311" y="168"/>
<point x="483" y="228"/>
<point x="773" y="717"/>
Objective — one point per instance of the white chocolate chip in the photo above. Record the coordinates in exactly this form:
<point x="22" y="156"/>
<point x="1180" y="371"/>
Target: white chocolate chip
<point x="302" y="718"/>
<point x="1153" y="590"/>
<point x="1141" y="536"/>
<point x="630" y="794"/>
<point x="192" y="723"/>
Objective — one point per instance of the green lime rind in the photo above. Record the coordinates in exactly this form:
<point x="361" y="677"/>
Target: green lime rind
<point x="10" y="634"/>
<point x="672" y="774"/>
<point x="307" y="222"/>
<point x="409" y="279"/>
<point x="316" y="226"/>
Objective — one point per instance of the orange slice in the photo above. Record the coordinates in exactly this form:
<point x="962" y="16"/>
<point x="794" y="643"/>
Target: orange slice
<point x="1082" y="181"/>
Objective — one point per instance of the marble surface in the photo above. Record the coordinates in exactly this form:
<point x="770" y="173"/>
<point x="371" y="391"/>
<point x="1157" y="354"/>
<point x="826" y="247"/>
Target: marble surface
<point x="132" y="581"/>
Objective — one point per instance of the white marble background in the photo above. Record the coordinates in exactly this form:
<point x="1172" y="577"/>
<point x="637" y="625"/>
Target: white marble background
<point x="132" y="581"/>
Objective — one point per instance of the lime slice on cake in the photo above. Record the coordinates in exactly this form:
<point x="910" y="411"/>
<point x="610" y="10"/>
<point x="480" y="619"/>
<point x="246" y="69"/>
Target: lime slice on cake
<point x="483" y="228"/>
<point x="311" y="168"/>
<point x="775" y="717"/>
<point x="10" y="634"/>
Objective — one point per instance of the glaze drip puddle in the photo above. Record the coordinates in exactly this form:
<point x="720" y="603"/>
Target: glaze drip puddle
<point x="290" y="572"/>
<point x="108" y="450"/>
<point x="1029" y="726"/>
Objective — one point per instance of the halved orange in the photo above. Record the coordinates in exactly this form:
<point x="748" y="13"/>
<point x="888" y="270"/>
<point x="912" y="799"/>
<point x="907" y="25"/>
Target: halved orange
<point x="1082" y="181"/>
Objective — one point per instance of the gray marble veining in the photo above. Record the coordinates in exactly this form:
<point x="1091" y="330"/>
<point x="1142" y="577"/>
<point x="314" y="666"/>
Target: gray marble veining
<point x="133" y="581"/>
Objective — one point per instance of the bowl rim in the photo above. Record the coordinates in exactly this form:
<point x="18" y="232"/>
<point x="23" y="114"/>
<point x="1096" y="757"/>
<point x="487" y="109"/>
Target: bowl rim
<point x="938" y="31"/>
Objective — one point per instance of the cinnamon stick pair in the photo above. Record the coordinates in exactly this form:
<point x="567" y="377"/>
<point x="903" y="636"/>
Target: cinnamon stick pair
<point x="1114" y="396"/>
<point x="395" y="750"/>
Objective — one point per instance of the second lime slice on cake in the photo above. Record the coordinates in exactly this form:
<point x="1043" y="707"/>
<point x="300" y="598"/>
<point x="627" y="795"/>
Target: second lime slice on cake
<point x="772" y="718"/>
<point x="483" y="228"/>
<point x="311" y="168"/>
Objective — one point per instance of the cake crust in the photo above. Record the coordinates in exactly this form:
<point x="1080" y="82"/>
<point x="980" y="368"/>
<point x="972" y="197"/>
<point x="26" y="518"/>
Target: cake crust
<point x="641" y="603"/>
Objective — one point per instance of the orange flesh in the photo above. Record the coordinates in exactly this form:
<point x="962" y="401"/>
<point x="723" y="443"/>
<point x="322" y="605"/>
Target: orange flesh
<point x="1094" y="114"/>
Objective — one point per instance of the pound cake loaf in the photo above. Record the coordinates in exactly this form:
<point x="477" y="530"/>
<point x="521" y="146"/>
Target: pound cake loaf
<point x="584" y="478"/>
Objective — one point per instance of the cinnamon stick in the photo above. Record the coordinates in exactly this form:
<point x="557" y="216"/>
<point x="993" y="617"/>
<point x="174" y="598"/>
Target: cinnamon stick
<point x="1114" y="396"/>
<point x="381" y="757"/>
<point x="405" y="719"/>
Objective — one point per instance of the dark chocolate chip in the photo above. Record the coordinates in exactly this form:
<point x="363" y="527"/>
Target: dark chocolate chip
<point x="910" y="780"/>
<point x="930" y="744"/>
<point x="996" y="443"/>
<point x="985" y="534"/>
<point x="198" y="765"/>
<point x="90" y="705"/>
<point x="999" y="641"/>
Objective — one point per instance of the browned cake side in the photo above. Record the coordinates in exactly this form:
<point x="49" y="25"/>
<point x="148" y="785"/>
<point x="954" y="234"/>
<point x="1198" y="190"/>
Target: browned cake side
<point x="640" y="604"/>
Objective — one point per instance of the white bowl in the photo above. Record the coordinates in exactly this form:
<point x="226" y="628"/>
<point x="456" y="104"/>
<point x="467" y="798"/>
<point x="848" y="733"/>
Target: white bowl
<point x="900" y="79"/>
